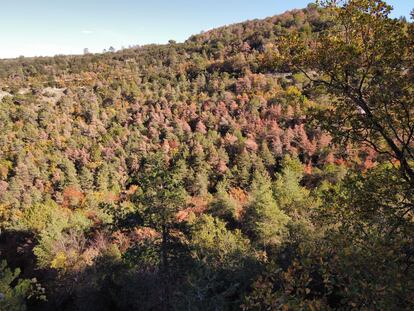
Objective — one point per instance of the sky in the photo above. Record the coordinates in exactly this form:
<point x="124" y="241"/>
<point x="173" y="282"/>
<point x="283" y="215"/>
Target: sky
<point x="50" y="27"/>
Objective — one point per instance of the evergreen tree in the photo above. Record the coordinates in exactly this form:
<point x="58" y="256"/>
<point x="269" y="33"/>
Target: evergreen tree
<point x="161" y="196"/>
<point x="86" y="179"/>
<point x="102" y="178"/>
<point x="266" y="155"/>
<point x="266" y="222"/>
<point x="289" y="194"/>
<point x="223" y="268"/>
<point x="70" y="174"/>
<point x="242" y="169"/>
<point x="224" y="206"/>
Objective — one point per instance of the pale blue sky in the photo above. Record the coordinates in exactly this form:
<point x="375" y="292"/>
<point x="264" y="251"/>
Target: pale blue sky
<point x="49" y="27"/>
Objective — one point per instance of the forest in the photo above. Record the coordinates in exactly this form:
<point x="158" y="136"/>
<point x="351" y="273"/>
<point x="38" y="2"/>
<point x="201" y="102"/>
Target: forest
<point x="264" y="165"/>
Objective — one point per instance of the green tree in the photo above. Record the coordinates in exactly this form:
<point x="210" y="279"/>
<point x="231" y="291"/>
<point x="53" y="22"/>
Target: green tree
<point x="266" y="222"/>
<point x="242" y="169"/>
<point x="69" y="169"/>
<point x="86" y="179"/>
<point x="14" y="291"/>
<point x="223" y="268"/>
<point x="267" y="156"/>
<point x="161" y="196"/>
<point x="224" y="206"/>
<point x="102" y="178"/>
<point x="199" y="181"/>
<point x="290" y="195"/>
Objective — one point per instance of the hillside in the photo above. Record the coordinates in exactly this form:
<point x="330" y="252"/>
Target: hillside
<point x="196" y="165"/>
<point x="97" y="113"/>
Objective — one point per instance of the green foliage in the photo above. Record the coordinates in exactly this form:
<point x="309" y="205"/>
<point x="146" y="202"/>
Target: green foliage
<point x="359" y="262"/>
<point x="264" y="219"/>
<point x="224" y="206"/>
<point x="266" y="155"/>
<point x="289" y="194"/>
<point x="161" y="193"/>
<point x="62" y="240"/>
<point x="217" y="246"/>
<point x="15" y="291"/>
<point x="39" y="216"/>
<point x="224" y="267"/>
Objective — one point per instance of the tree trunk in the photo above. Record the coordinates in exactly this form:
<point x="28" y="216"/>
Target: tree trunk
<point x="165" y="268"/>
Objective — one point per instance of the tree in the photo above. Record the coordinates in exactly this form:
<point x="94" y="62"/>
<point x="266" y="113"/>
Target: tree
<point x="102" y="178"/>
<point x="86" y="179"/>
<point x="365" y="62"/>
<point x="161" y="195"/>
<point x="224" y="206"/>
<point x="61" y="240"/>
<point x="294" y="199"/>
<point x="267" y="156"/>
<point x="223" y="268"/>
<point x="264" y="219"/>
<point x="290" y="195"/>
<point x="242" y="168"/>
<point x="200" y="179"/>
<point x="216" y="245"/>
<point x="14" y="291"/>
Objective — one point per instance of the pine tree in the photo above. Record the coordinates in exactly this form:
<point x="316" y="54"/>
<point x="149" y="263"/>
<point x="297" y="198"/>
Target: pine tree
<point x="71" y="178"/>
<point x="242" y="169"/>
<point x="290" y="195"/>
<point x="86" y="179"/>
<point x="224" y="268"/>
<point x="223" y="205"/>
<point x="102" y="178"/>
<point x="199" y="181"/>
<point x="161" y="196"/>
<point x="266" y="155"/>
<point x="264" y="219"/>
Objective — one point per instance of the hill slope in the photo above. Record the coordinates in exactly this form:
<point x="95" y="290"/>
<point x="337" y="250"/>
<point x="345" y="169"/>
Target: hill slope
<point x="84" y="142"/>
